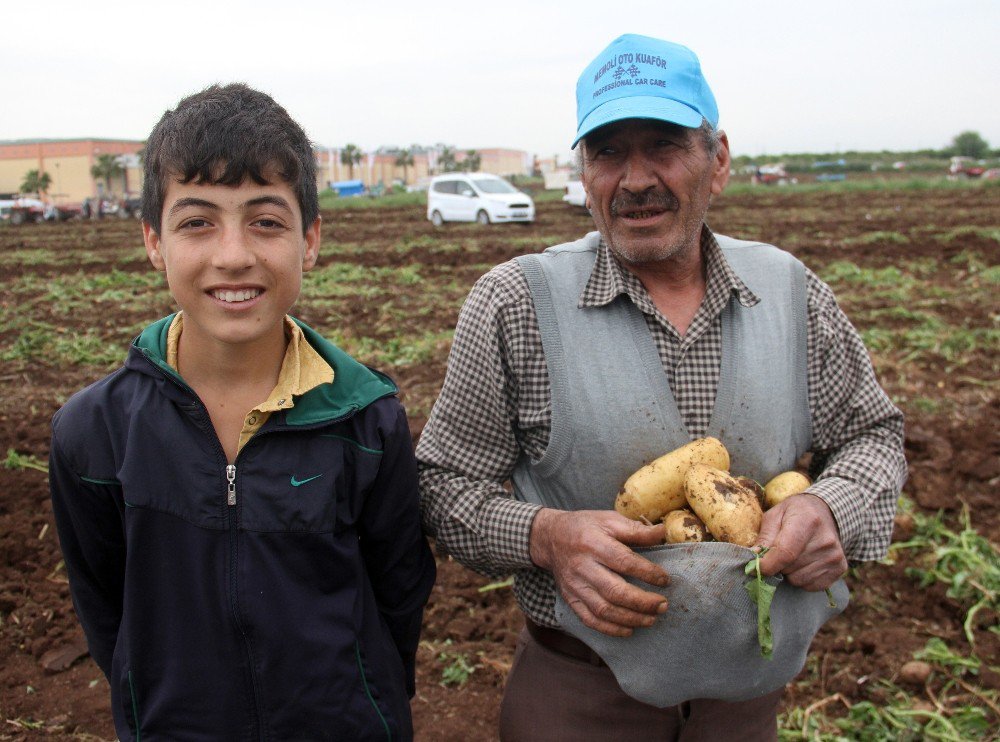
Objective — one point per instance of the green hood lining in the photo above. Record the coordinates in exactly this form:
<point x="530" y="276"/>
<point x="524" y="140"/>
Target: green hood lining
<point x="355" y="386"/>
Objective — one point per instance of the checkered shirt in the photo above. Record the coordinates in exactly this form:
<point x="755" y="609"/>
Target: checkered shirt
<point x="495" y="405"/>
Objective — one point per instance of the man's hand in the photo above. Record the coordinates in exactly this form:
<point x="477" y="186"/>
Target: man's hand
<point x="804" y="544"/>
<point x="586" y="552"/>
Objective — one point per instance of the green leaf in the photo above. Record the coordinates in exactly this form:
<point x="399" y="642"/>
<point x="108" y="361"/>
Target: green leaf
<point x="761" y="593"/>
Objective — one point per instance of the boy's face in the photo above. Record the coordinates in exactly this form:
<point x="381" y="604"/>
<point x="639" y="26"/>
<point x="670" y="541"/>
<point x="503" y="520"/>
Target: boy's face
<point x="234" y="258"/>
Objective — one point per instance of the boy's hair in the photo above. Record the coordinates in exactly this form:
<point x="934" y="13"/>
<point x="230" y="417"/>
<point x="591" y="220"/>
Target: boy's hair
<point x="222" y="136"/>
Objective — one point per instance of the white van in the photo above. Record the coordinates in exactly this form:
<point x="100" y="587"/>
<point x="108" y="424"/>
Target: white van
<point x="476" y="197"/>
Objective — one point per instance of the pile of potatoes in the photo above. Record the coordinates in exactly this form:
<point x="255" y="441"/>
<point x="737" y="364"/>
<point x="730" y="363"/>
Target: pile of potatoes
<point x="691" y="490"/>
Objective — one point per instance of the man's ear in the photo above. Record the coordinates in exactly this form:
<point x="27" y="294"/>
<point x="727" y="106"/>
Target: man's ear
<point x="720" y="174"/>
<point x="153" y="247"/>
<point x="311" y="253"/>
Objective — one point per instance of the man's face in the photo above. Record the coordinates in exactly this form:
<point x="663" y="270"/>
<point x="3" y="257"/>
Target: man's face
<point x="649" y="184"/>
<point x="234" y="258"/>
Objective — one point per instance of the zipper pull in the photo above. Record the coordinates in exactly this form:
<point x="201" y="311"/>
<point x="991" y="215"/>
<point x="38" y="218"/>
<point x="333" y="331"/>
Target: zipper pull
<point x="231" y="478"/>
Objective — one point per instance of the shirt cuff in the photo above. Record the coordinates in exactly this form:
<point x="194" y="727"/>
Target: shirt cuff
<point x="509" y="539"/>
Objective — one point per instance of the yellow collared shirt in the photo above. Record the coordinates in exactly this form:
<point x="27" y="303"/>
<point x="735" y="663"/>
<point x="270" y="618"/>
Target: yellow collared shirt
<point x="302" y="369"/>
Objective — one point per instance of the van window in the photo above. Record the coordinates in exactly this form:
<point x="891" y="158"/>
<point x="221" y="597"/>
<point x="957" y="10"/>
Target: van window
<point x="446" y="186"/>
<point x="490" y="185"/>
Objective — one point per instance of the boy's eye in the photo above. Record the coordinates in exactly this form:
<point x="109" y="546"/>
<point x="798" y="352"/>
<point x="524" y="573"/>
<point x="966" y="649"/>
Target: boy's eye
<point x="268" y="223"/>
<point x="195" y="223"/>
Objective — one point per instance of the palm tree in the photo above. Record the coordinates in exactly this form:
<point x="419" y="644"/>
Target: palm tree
<point x="36" y="182"/>
<point x="446" y="160"/>
<point x="350" y="155"/>
<point x="107" y="168"/>
<point x="404" y="160"/>
<point x="472" y="161"/>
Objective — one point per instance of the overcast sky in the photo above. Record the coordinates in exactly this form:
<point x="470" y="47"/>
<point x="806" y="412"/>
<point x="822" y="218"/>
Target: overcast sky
<point x="789" y="75"/>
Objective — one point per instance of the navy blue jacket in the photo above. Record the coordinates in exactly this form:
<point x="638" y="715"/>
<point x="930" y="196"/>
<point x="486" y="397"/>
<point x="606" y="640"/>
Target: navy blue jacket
<point x="292" y="614"/>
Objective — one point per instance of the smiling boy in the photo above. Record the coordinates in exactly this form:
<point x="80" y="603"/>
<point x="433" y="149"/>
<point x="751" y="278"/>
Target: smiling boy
<point x="237" y="505"/>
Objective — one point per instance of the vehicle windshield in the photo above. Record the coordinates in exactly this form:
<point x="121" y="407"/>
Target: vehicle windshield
<point x="489" y="185"/>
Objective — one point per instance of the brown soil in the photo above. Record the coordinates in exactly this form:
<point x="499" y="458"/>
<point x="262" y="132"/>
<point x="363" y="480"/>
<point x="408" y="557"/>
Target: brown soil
<point x="953" y="453"/>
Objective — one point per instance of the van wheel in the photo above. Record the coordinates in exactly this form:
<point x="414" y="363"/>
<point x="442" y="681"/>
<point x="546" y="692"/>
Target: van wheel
<point x="482" y="217"/>
<point x="436" y="219"/>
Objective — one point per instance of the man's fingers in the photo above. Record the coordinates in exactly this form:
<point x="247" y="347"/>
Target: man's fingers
<point x="634" y="533"/>
<point x="586" y="553"/>
<point x="769" y="528"/>
<point x="610" y="600"/>
<point x="624" y="561"/>
<point x="589" y="619"/>
<point x="813" y="579"/>
<point x="775" y="560"/>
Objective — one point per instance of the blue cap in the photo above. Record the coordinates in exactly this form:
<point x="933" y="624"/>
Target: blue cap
<point x="645" y="78"/>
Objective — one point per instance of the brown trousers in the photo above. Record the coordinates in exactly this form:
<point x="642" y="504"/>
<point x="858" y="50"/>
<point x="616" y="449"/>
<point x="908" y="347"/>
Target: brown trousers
<point x="551" y="697"/>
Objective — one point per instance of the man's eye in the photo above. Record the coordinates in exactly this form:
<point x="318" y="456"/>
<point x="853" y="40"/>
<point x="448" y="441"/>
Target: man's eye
<point x="194" y="224"/>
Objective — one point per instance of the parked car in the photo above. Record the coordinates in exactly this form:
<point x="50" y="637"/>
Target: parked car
<point x="575" y="195"/>
<point x="62" y="212"/>
<point x="129" y="207"/>
<point x="23" y="210"/>
<point x="476" y="197"/>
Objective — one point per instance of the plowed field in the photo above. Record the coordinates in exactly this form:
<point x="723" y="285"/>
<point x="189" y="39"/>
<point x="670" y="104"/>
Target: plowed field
<point x="917" y="270"/>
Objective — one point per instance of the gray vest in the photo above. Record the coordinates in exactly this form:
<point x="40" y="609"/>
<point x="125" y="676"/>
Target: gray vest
<point x="612" y="408"/>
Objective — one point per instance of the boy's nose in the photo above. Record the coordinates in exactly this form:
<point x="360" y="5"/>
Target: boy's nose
<point x="233" y="252"/>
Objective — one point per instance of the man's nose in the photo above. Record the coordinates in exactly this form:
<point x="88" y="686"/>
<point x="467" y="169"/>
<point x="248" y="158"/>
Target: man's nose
<point x="234" y="251"/>
<point x="640" y="174"/>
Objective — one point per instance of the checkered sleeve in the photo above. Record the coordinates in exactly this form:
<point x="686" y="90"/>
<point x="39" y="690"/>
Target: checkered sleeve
<point x="858" y="461"/>
<point x="469" y="446"/>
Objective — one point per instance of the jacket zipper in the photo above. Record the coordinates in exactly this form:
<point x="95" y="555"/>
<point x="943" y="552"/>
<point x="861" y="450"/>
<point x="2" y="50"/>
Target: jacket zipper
<point x="231" y="478"/>
<point x="233" y="598"/>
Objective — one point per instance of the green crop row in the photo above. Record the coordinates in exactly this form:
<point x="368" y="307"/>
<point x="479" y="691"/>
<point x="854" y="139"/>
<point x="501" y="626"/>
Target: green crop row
<point x="954" y="708"/>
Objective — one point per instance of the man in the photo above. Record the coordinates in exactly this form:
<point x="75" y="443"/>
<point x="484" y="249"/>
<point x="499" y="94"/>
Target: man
<point x="571" y="369"/>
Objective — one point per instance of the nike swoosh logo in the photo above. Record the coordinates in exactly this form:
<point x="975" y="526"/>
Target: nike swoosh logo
<point x="300" y="482"/>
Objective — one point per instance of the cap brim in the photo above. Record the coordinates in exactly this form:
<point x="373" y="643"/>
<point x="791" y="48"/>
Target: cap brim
<point x="638" y="107"/>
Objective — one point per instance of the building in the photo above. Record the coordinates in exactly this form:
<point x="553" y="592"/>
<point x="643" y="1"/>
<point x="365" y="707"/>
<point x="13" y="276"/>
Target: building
<point x="68" y="163"/>
<point x="380" y="166"/>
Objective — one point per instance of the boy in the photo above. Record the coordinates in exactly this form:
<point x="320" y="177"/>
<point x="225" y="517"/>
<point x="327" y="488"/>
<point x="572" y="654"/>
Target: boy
<point x="237" y="506"/>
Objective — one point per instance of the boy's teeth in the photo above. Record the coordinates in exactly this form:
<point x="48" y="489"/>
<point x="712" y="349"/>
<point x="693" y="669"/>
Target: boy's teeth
<point x="231" y="296"/>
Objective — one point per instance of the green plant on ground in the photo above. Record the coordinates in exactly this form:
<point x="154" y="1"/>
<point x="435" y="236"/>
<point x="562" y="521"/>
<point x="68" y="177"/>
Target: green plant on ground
<point x="457" y="666"/>
<point x="958" y="710"/>
<point x="17" y="460"/>
<point x="330" y="200"/>
<point x="965" y="561"/>
<point x="959" y="233"/>
<point x="869" y="238"/>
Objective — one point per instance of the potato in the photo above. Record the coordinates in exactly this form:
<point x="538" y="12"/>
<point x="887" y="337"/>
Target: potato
<point x="753" y="486"/>
<point x="683" y="526"/>
<point x="784" y="486"/>
<point x="658" y="487"/>
<point x="915" y="672"/>
<point x="730" y="510"/>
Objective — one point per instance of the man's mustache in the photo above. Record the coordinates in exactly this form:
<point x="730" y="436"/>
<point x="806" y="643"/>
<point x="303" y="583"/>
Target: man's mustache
<point x="663" y="200"/>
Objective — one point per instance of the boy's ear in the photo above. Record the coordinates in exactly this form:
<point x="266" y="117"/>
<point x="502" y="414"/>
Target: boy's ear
<point x="152" y="242"/>
<point x="311" y="253"/>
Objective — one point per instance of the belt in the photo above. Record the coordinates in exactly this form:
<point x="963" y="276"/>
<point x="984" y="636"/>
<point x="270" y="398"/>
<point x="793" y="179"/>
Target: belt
<point x="562" y="643"/>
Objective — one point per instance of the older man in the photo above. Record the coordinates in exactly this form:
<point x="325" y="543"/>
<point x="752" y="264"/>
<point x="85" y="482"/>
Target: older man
<point x="571" y="369"/>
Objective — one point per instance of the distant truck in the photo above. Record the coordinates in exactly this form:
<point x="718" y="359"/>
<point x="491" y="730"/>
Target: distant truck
<point x="965" y="167"/>
<point x="771" y="175"/>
